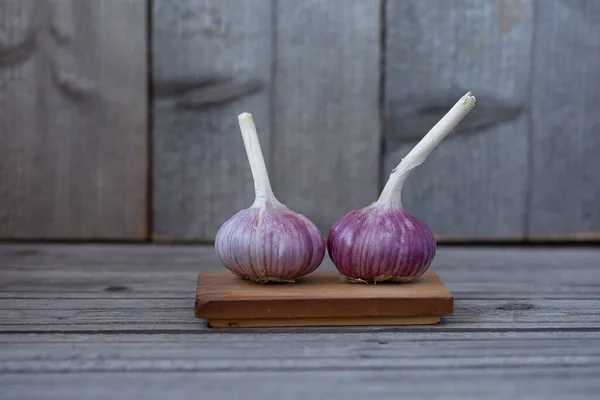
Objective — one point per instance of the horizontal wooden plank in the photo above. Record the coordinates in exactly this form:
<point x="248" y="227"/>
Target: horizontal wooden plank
<point x="164" y="315"/>
<point x="313" y="322"/>
<point x="251" y="352"/>
<point x="514" y="381"/>
<point x="538" y="364"/>
<point x="151" y="271"/>
<point x="316" y="340"/>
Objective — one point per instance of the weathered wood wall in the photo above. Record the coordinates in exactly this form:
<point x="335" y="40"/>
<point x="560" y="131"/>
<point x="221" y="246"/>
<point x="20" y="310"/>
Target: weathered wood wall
<point x="212" y="61"/>
<point x="73" y="119"/>
<point x="325" y="107"/>
<point x="475" y="184"/>
<point x="565" y="121"/>
<point x="315" y="106"/>
<point x="118" y="118"/>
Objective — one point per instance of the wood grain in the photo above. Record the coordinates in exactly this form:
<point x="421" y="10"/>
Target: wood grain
<point x="311" y="322"/>
<point x="512" y="274"/>
<point x="73" y="121"/>
<point x="211" y="62"/>
<point x="167" y="315"/>
<point x="326" y="119"/>
<point x="321" y="297"/>
<point x="565" y="121"/>
<point x="99" y="321"/>
<point x="531" y="382"/>
<point x="126" y="288"/>
<point x="434" y="351"/>
<point x="474" y="185"/>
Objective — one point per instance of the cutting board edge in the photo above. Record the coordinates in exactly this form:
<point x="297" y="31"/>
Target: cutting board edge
<point x="213" y="305"/>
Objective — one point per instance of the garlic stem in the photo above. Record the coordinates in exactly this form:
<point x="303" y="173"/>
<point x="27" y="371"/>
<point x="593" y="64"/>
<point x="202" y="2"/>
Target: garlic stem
<point x="262" y="185"/>
<point x="391" y="194"/>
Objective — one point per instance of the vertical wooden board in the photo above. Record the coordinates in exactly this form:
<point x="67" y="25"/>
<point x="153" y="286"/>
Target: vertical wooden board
<point x="565" y="184"/>
<point x="211" y="62"/>
<point x="474" y="184"/>
<point x="73" y="112"/>
<point x="326" y="118"/>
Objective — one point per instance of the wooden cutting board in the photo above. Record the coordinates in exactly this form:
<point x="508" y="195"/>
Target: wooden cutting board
<point x="319" y="299"/>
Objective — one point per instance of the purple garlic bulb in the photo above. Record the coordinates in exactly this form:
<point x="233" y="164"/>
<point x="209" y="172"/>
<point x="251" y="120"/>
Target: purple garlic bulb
<point x="376" y="244"/>
<point x="267" y="241"/>
<point x="383" y="242"/>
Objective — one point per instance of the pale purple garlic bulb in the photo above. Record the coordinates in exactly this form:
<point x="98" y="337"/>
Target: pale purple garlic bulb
<point x="383" y="242"/>
<point x="267" y="242"/>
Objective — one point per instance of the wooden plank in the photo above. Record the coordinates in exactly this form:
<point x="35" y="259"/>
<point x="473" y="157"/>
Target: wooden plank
<point x="565" y="91"/>
<point x="474" y="184"/>
<point x="530" y="382"/>
<point x="177" y="316"/>
<point x="245" y="344"/>
<point x="319" y="342"/>
<point x="532" y="362"/>
<point x="42" y="354"/>
<point x="211" y="61"/>
<point x="310" y="322"/>
<point x="546" y="348"/>
<point x="320" y="298"/>
<point x="540" y="365"/>
<point x="73" y="119"/>
<point x="326" y="118"/>
<point x="29" y="271"/>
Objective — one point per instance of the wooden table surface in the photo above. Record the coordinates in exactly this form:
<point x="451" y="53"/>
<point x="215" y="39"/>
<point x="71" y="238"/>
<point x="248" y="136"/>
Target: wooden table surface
<point x="117" y="321"/>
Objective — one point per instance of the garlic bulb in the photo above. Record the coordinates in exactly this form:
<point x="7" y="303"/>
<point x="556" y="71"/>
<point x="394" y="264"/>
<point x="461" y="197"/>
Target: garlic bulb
<point x="267" y="241"/>
<point x="383" y="242"/>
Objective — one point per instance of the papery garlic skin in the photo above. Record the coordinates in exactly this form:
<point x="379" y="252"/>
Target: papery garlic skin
<point x="382" y="242"/>
<point x="267" y="241"/>
<point x="270" y="243"/>
<point x="376" y="244"/>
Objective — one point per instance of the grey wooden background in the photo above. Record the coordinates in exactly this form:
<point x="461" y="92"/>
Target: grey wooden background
<point x="118" y="118"/>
